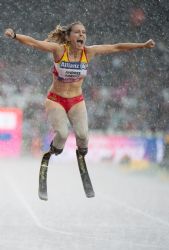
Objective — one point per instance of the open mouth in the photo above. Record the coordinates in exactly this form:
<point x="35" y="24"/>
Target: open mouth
<point x="80" y="41"/>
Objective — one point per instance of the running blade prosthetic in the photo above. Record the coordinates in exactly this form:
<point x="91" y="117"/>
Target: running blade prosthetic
<point x="87" y="185"/>
<point x="43" y="176"/>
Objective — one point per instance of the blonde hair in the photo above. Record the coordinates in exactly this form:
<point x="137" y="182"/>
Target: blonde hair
<point x="60" y="33"/>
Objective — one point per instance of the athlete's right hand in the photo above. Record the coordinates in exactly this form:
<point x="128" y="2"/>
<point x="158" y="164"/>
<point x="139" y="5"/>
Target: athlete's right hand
<point x="9" y="33"/>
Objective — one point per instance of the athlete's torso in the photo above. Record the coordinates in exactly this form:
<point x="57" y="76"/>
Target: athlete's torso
<point x="68" y="71"/>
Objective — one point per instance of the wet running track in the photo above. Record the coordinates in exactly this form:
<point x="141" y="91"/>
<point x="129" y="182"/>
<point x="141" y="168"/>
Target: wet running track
<point x="130" y="210"/>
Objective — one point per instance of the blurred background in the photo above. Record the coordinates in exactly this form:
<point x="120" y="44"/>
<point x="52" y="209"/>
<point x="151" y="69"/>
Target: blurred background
<point x="127" y="94"/>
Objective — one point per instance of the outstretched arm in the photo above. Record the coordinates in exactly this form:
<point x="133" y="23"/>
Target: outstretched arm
<point x="108" y="49"/>
<point x="27" y="40"/>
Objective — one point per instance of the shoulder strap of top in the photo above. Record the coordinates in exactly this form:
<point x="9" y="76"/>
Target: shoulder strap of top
<point x="64" y="57"/>
<point x="84" y="56"/>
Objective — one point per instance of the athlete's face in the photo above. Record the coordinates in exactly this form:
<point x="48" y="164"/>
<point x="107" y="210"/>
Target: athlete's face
<point x="77" y="36"/>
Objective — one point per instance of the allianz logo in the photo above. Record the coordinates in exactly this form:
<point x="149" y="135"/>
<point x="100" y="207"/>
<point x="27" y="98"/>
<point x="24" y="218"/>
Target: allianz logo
<point x="74" y="65"/>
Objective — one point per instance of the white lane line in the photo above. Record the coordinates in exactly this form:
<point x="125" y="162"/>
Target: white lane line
<point x="28" y="208"/>
<point x="136" y="210"/>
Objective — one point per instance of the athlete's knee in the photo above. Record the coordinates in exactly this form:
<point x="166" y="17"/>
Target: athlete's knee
<point x="54" y="150"/>
<point x="82" y="151"/>
<point x="62" y="135"/>
<point x="82" y="135"/>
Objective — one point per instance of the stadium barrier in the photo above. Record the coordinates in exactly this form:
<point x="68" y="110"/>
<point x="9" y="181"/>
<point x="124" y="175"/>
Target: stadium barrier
<point x="10" y="132"/>
<point x="118" y="148"/>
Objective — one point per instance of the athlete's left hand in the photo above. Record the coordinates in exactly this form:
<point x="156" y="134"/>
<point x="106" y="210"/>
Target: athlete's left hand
<point x="150" y="44"/>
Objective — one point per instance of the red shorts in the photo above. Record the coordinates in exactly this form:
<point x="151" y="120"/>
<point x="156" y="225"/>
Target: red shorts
<point x="67" y="103"/>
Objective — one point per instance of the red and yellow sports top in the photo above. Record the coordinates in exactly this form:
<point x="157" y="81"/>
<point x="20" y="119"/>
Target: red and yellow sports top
<point x="67" y="71"/>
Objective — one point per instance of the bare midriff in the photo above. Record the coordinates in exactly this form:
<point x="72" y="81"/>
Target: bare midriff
<point x="67" y="90"/>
